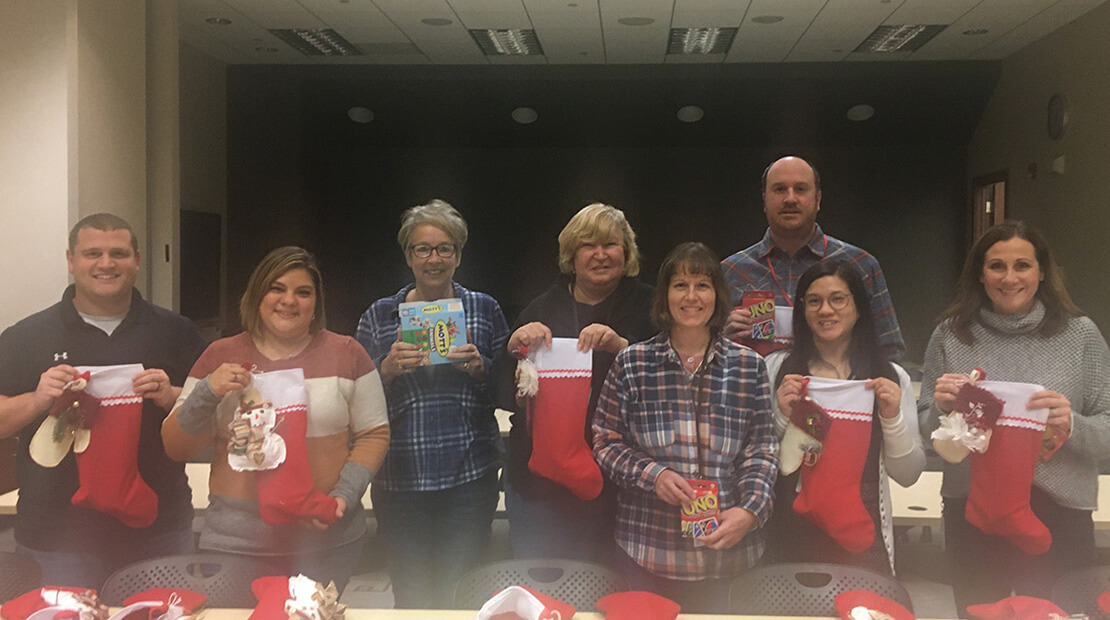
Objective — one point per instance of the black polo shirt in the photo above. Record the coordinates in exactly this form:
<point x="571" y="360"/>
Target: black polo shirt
<point x="149" y="335"/>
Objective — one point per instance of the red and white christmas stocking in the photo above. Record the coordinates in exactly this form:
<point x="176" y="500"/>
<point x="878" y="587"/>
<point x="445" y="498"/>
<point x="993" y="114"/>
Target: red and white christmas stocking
<point x="1002" y="477"/>
<point x="557" y="418"/>
<point x="286" y="494"/>
<point x="830" y="495"/>
<point x="108" y="469"/>
<point x="524" y="603"/>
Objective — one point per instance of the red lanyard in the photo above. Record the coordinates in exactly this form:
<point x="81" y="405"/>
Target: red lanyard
<point x="774" y="276"/>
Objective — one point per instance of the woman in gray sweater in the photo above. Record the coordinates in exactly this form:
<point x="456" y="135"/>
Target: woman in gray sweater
<point x="1013" y="317"/>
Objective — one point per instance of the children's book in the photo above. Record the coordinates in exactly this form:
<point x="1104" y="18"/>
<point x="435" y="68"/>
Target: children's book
<point x="435" y="327"/>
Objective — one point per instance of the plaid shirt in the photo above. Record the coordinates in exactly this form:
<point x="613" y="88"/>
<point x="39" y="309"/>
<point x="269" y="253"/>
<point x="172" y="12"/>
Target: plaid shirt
<point x="748" y="270"/>
<point x="442" y="430"/>
<point x="716" y="425"/>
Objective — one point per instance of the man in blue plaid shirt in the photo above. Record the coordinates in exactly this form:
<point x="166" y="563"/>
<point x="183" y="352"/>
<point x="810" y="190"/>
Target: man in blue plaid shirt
<point x="793" y="242"/>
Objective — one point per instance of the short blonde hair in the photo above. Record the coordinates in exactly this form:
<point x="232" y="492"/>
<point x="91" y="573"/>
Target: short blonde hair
<point x="438" y="213"/>
<point x="592" y="223"/>
<point x="270" y="268"/>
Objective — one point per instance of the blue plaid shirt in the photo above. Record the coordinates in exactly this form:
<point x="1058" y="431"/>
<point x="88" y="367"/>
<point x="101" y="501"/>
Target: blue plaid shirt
<point x="442" y="429"/>
<point x="749" y="270"/>
<point x="716" y="425"/>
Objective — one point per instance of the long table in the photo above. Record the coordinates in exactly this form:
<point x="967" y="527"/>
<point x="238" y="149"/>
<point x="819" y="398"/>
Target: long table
<point x="439" y="614"/>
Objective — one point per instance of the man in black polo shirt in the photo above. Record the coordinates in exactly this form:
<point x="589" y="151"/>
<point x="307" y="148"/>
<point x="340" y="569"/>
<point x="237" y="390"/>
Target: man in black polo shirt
<point x="100" y="321"/>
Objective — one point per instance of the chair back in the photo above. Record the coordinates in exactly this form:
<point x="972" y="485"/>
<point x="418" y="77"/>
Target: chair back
<point x="18" y="574"/>
<point x="580" y="584"/>
<point x="224" y="579"/>
<point x="806" y="589"/>
<point x="1077" y="591"/>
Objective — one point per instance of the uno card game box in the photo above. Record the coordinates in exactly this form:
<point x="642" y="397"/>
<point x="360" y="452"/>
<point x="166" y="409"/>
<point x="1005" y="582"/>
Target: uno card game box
<point x="762" y="306"/>
<point x="435" y="327"/>
<point x="700" y="517"/>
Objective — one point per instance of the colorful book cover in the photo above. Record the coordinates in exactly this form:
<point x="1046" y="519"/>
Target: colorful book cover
<point x="435" y="327"/>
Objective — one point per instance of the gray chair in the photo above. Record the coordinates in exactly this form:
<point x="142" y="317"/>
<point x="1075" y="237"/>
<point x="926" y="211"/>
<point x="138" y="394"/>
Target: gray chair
<point x="806" y="589"/>
<point x="580" y="584"/>
<point x="224" y="579"/>
<point x="18" y="574"/>
<point x="1078" y="591"/>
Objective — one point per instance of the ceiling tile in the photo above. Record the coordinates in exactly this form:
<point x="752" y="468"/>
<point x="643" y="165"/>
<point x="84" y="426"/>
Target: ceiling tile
<point x="703" y="19"/>
<point x="486" y="6"/>
<point x="498" y="20"/>
<point x="251" y="6"/>
<point x="930" y="11"/>
<point x="737" y="6"/>
<point x="581" y="17"/>
<point x="286" y="19"/>
<point x="411" y="6"/>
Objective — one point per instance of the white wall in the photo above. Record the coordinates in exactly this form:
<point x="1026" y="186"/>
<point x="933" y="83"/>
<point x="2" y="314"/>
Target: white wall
<point x="1072" y="209"/>
<point x="33" y="155"/>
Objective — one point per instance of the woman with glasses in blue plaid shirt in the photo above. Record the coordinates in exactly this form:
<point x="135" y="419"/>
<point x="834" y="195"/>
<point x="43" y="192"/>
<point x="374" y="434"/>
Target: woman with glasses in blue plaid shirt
<point x="687" y="405"/>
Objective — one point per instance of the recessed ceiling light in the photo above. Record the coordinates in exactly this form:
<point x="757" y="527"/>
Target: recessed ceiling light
<point x="700" y="40"/>
<point x="316" y="41"/>
<point x="436" y="21"/>
<point x="767" y="19"/>
<point x="975" y="31"/>
<point x="860" y="112"/>
<point x="508" y="42"/>
<point x="360" y="114"/>
<point x="524" y="115"/>
<point x="218" y="21"/>
<point x="899" y="38"/>
<point x="636" y="21"/>
<point x="266" y="48"/>
<point x="690" y="114"/>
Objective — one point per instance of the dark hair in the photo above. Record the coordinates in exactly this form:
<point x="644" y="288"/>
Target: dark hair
<point x="104" y="222"/>
<point x="692" y="258"/>
<point x="274" y="265"/>
<point x="971" y="296"/>
<point x="865" y="355"/>
<point x="767" y="170"/>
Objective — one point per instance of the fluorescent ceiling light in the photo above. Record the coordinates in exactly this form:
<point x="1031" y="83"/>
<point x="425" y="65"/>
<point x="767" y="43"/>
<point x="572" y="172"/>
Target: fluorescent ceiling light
<point x="508" y="42"/>
<point x="905" y="38"/>
<point x="700" y="40"/>
<point x="316" y="41"/>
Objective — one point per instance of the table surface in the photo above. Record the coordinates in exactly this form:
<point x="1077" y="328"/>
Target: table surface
<point x="439" y="614"/>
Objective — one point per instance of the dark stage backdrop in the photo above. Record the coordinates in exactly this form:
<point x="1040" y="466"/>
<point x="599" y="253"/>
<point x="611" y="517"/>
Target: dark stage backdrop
<point x="301" y="173"/>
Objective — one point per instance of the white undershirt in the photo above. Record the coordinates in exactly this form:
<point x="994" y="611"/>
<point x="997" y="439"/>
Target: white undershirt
<point x="106" y="324"/>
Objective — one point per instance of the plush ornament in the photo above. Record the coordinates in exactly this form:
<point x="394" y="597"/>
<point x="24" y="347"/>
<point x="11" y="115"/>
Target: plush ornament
<point x="557" y="419"/>
<point x="969" y="426"/>
<point x="866" y="605"/>
<point x="161" y="604"/>
<point x="49" y="602"/>
<point x="637" y="606"/>
<point x="286" y="494"/>
<point x="254" y="444"/>
<point x="67" y="425"/>
<point x="1018" y="608"/>
<point x="829" y="496"/>
<point x="527" y="379"/>
<point x="524" y="603"/>
<point x="295" y="598"/>
<point x="1001" y="477"/>
<point x="1104" y="602"/>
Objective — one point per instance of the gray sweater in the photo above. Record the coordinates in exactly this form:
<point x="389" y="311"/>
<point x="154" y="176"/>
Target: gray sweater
<point x="1074" y="362"/>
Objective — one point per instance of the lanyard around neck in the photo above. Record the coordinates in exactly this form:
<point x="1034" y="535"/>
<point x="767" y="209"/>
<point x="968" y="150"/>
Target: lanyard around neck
<point x="775" y="277"/>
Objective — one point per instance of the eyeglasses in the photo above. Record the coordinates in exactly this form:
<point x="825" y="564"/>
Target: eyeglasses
<point x="837" y="301"/>
<point x="445" y="250"/>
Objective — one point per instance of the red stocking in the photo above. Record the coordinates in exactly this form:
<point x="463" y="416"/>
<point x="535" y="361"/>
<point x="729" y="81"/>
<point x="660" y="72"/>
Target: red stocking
<point x="558" y="419"/>
<point x="108" y="469"/>
<point x="287" y="494"/>
<point x="830" y="497"/>
<point x="1002" y="477"/>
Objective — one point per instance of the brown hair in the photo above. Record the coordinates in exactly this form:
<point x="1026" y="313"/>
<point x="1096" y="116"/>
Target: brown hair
<point x="692" y="258"/>
<point x="274" y="265"/>
<point x="105" y="222"/>
<point x="970" y="295"/>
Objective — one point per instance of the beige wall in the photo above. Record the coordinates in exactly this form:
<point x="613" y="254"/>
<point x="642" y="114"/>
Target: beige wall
<point x="1073" y="208"/>
<point x="33" y="155"/>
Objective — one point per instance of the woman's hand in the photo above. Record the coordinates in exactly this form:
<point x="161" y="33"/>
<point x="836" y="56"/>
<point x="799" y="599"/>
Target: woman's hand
<point x="673" y="488"/>
<point x="228" y="377"/>
<point x="733" y="524"/>
<point x="530" y="335"/>
<point x="467" y="359"/>
<point x="600" y="337"/>
<point x="340" y="508"/>
<point x="887" y="394"/>
<point x="403" y="357"/>
<point x="944" y="393"/>
<point x="1059" y="409"/>
<point x="789" y="393"/>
